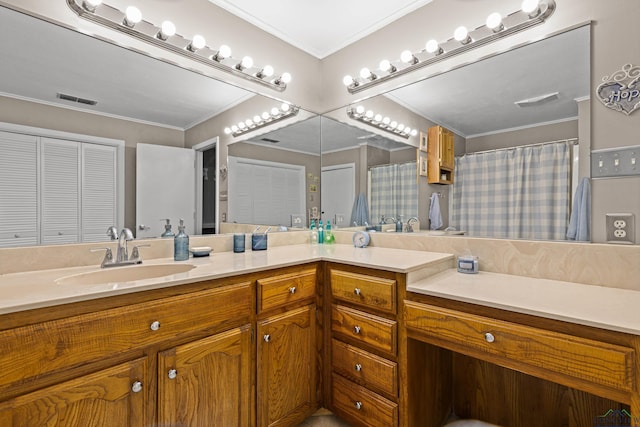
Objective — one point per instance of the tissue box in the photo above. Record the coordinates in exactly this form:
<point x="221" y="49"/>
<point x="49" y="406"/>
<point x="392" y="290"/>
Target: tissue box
<point x="468" y="264"/>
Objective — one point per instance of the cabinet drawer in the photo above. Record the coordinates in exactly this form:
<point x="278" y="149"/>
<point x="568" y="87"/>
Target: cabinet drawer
<point x="373" y="371"/>
<point x="361" y="405"/>
<point x="33" y="351"/>
<point x="285" y="289"/>
<point x="366" y="291"/>
<point x="375" y="331"/>
<point x="523" y="347"/>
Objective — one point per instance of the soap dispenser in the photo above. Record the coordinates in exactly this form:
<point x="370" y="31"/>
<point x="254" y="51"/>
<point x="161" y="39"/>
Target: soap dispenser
<point x="328" y="235"/>
<point x="167" y="229"/>
<point x="181" y="244"/>
<point x="399" y="224"/>
<point x="320" y="232"/>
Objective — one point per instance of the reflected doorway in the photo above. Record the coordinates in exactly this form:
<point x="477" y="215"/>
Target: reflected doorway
<point x="209" y="185"/>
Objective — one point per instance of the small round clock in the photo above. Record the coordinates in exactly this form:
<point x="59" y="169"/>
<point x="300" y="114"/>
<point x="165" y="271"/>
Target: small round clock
<point x="361" y="239"/>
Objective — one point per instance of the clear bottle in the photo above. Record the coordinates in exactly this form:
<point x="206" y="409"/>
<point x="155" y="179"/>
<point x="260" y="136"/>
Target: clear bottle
<point x="181" y="244"/>
<point x="320" y="232"/>
<point x="329" y="238"/>
<point x="167" y="229"/>
<point x="314" y="233"/>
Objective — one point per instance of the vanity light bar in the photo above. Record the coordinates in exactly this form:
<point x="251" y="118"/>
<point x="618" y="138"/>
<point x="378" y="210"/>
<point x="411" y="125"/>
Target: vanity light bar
<point x="268" y="117"/>
<point x="381" y="122"/>
<point x="532" y="13"/>
<point x="164" y="36"/>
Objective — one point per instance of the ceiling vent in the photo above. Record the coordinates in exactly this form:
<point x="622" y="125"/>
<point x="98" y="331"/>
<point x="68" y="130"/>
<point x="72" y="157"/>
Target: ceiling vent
<point x="538" y="100"/>
<point x="72" y="98"/>
<point x="273" y="141"/>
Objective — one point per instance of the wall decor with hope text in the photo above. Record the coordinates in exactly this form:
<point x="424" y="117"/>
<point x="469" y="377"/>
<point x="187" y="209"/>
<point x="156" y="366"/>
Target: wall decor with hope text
<point x="621" y="90"/>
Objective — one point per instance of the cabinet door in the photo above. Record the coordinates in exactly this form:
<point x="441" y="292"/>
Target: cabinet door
<point x="206" y="382"/>
<point x="447" y="152"/>
<point x="112" y="397"/>
<point x="286" y="367"/>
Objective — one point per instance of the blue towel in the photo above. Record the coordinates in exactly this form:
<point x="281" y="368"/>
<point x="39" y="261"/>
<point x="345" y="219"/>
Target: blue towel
<point x="580" y="221"/>
<point x="435" y="217"/>
<point x="360" y="211"/>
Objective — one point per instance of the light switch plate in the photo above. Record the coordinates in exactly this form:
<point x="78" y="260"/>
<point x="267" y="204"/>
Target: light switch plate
<point x="620" y="228"/>
<point x="613" y="162"/>
<point x="296" y="220"/>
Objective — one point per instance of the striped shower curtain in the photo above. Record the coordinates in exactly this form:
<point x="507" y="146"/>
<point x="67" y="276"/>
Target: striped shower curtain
<point x="394" y="191"/>
<point x="519" y="193"/>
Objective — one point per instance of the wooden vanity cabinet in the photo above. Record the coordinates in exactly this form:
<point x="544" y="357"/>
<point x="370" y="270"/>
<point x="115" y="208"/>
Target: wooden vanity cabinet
<point x="363" y="371"/>
<point x="287" y="386"/>
<point x="440" y="155"/>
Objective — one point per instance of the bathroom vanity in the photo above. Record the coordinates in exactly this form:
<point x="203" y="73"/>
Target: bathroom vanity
<point x="382" y="337"/>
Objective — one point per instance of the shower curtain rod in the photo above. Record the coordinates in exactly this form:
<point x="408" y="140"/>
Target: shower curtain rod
<point x="391" y="164"/>
<point x="574" y="141"/>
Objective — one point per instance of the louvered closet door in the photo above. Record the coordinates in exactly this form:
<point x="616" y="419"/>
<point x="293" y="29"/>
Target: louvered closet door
<point x="18" y="190"/>
<point x="60" y="191"/>
<point x="99" y="190"/>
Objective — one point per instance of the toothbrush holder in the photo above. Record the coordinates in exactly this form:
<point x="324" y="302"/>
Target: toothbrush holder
<point x="259" y="241"/>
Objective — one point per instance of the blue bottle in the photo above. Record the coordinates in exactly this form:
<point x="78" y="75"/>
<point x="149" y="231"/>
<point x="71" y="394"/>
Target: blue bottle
<point x="181" y="244"/>
<point x="320" y="232"/>
<point x="167" y="229"/>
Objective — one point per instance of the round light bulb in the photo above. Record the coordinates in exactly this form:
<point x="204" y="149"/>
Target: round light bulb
<point x="347" y="80"/>
<point x="285" y="78"/>
<point x="494" y="21"/>
<point x="223" y="52"/>
<point x="266" y="115"/>
<point x="234" y="128"/>
<point x="248" y="122"/>
<point x="378" y="118"/>
<point x="461" y="34"/>
<point x="432" y="46"/>
<point x="530" y="6"/>
<point x="369" y="114"/>
<point x="198" y="42"/>
<point x="275" y="112"/>
<point x="267" y="71"/>
<point x="360" y="109"/>
<point x="393" y="124"/>
<point x="386" y="121"/>
<point x="91" y="5"/>
<point x="132" y="16"/>
<point x="414" y="132"/>
<point x="241" y="125"/>
<point x="227" y="131"/>
<point x="247" y="62"/>
<point x="365" y="73"/>
<point x="257" y="119"/>
<point x="407" y="130"/>
<point x="385" y="65"/>
<point x="167" y="29"/>
<point x="285" y="107"/>
<point x="400" y="127"/>
<point x="407" y="56"/>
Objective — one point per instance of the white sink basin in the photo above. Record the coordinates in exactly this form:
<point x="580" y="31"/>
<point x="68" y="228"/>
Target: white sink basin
<point x="124" y="274"/>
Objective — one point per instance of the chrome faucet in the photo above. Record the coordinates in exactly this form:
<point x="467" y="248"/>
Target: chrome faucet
<point x="386" y="220"/>
<point x="122" y="254"/>
<point x="409" y="226"/>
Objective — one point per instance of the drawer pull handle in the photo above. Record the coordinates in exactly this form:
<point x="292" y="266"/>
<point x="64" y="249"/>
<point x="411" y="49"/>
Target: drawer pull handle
<point x="358" y="405"/>
<point x="357" y="291"/>
<point x="489" y="337"/>
<point x="172" y="374"/>
<point x="292" y="289"/>
<point x="356" y="329"/>
<point x="155" y="325"/>
<point x="267" y="338"/>
<point x="358" y="367"/>
<point x="136" y="387"/>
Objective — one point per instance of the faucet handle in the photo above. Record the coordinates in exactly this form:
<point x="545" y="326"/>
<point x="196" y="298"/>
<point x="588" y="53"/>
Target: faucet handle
<point x="135" y="253"/>
<point x="108" y="255"/>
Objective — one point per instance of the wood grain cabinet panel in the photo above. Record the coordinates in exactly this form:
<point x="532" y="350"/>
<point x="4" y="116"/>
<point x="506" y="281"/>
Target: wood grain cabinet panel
<point x="112" y="397"/>
<point x="362" y="407"/>
<point x="520" y="346"/>
<point x="286" y="289"/>
<point x="366" y="328"/>
<point x="367" y="291"/>
<point x="207" y="382"/>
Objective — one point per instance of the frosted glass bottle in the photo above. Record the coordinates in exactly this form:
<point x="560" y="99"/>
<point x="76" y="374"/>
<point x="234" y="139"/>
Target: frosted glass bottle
<point x="314" y="233"/>
<point x="181" y="244"/>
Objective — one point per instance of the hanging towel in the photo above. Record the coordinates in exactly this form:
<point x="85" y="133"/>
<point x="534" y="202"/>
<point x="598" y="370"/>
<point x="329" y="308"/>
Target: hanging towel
<point x="435" y="217"/>
<point x="580" y="221"/>
<point x="360" y="211"/>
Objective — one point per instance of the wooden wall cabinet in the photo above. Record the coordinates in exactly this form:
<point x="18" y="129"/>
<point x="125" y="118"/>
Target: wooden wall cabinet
<point x="440" y="155"/>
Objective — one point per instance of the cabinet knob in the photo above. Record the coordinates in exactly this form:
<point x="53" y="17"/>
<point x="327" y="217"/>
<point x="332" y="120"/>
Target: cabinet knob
<point x="489" y="337"/>
<point x="172" y="374"/>
<point x="357" y="291"/>
<point x="267" y="338"/>
<point x="136" y="387"/>
<point x="358" y="405"/>
<point x="358" y="367"/>
<point x="155" y="325"/>
<point x="356" y="329"/>
<point x="292" y="289"/>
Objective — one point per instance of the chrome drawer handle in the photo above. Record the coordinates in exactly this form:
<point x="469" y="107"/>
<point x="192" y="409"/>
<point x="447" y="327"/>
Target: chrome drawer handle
<point x="358" y="367"/>
<point x="267" y="338"/>
<point x="358" y="405"/>
<point x="155" y="325"/>
<point x="489" y="337"/>
<point x="357" y="291"/>
<point x="172" y="374"/>
<point x="356" y="329"/>
<point x="292" y="289"/>
<point x="136" y="387"/>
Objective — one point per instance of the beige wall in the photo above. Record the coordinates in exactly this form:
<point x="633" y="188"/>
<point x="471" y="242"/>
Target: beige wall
<point x="532" y="135"/>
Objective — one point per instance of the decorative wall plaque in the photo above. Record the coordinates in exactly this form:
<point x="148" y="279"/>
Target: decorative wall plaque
<point x="621" y="90"/>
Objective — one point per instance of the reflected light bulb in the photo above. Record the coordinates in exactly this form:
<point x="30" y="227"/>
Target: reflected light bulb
<point x="198" y="42"/>
<point x="257" y="119"/>
<point x="132" y="16"/>
<point x="267" y="71"/>
<point x="378" y="118"/>
<point x="365" y="73"/>
<point x="241" y="125"/>
<point x="167" y="29"/>
<point x="275" y="112"/>
<point x="407" y="130"/>
<point x="223" y="52"/>
<point x="285" y="107"/>
<point x="393" y="124"/>
<point x="91" y="5"/>
<point x="285" y="78"/>
<point x="531" y="7"/>
<point x="227" y="130"/>
<point x="347" y="80"/>
<point x="234" y="128"/>
<point x="266" y="115"/>
<point x="494" y="22"/>
<point x="248" y="122"/>
<point x="400" y="127"/>
<point x="407" y="57"/>
<point x="247" y="62"/>
<point x="386" y="121"/>
<point x="432" y="46"/>
<point x="414" y="132"/>
<point x="385" y="65"/>
<point x="369" y="114"/>
<point x="360" y="109"/>
<point x="462" y="35"/>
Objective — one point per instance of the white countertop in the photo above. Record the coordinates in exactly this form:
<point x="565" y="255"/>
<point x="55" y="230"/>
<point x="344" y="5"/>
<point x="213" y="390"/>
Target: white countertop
<point x="598" y="306"/>
<point x="36" y="289"/>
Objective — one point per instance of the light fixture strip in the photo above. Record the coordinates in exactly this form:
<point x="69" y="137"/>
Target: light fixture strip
<point x="291" y="112"/>
<point x="113" y="18"/>
<point x="513" y="23"/>
<point x="362" y="117"/>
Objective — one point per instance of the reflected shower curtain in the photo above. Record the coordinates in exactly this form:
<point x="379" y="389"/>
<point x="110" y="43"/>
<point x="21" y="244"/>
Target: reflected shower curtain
<point x="394" y="191"/>
<point x="519" y="193"/>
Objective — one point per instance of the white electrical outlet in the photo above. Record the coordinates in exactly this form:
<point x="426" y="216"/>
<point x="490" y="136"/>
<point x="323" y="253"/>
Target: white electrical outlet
<point x="620" y="228"/>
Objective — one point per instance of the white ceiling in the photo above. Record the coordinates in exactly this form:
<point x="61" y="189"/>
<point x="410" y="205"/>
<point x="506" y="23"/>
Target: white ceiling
<point x="323" y="27"/>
